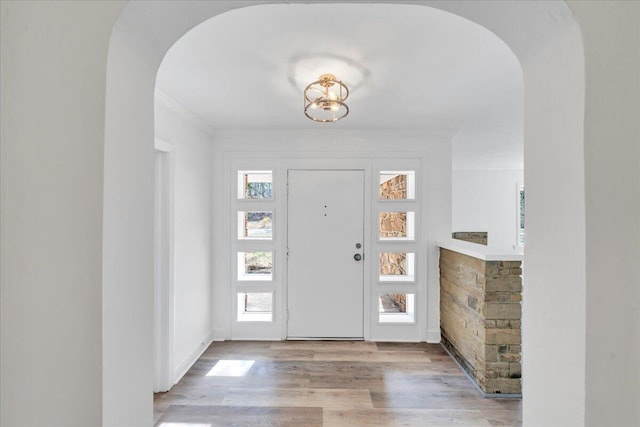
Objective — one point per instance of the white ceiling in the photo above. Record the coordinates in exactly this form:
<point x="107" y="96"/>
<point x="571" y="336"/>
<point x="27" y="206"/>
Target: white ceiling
<point x="408" y="68"/>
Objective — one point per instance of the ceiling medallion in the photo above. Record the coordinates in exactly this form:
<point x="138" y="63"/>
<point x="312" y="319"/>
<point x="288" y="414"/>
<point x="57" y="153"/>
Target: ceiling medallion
<point x="324" y="99"/>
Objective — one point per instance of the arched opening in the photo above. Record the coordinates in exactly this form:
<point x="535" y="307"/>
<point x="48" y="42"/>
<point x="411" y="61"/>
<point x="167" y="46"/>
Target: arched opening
<point x="420" y="83"/>
<point x="552" y="70"/>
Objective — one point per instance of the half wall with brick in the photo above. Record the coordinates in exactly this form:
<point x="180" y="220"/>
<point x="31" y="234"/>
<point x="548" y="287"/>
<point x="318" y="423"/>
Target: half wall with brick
<point x="480" y="308"/>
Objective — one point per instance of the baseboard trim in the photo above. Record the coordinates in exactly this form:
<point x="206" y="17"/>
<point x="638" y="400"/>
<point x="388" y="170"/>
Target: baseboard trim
<point x="433" y="336"/>
<point x="191" y="358"/>
<point x="218" y="335"/>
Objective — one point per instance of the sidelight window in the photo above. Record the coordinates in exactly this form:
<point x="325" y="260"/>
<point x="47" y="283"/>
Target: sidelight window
<point x="255" y="306"/>
<point x="255" y="266"/>
<point x="255" y="225"/>
<point x="255" y="184"/>
<point x="397" y="185"/>
<point x="396" y="266"/>
<point x="396" y="308"/>
<point x="396" y="225"/>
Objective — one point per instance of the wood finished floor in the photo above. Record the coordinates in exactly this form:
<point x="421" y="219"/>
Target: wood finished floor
<point x="331" y="383"/>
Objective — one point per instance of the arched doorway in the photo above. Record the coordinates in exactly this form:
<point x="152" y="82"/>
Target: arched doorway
<point x="553" y="70"/>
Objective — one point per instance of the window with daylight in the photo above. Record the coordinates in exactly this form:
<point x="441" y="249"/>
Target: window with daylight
<point x="396" y="225"/>
<point x="255" y="266"/>
<point x="255" y="306"/>
<point x="397" y="185"/>
<point x="255" y="185"/>
<point x="396" y="267"/>
<point x="255" y="225"/>
<point x="396" y="308"/>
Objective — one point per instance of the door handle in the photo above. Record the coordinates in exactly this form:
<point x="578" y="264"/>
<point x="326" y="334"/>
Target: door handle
<point x="357" y="257"/>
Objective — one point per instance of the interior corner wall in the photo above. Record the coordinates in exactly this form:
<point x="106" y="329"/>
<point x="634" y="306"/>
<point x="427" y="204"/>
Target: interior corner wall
<point x="192" y="232"/>
<point x="611" y="33"/>
<point x="439" y="213"/>
<point x="486" y="200"/>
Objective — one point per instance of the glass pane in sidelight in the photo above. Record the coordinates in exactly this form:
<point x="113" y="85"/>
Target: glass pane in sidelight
<point x="257" y="302"/>
<point x="396" y="225"/>
<point x="255" y="306"/>
<point x="255" y="265"/>
<point x="396" y="266"/>
<point x="255" y="225"/>
<point x="396" y="308"/>
<point x="255" y="184"/>
<point x="397" y="185"/>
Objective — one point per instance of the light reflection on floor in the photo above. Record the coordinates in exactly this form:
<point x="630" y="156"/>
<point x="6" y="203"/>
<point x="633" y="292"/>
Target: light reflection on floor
<point x="230" y="368"/>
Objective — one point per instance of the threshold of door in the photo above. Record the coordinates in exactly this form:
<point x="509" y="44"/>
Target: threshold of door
<point x="325" y="339"/>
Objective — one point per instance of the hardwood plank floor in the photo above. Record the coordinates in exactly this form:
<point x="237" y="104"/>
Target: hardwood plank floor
<point x="329" y="383"/>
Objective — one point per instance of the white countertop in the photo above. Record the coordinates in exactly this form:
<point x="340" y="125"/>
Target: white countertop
<point x="485" y="253"/>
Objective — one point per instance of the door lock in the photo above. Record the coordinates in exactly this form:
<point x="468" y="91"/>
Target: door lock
<point x="357" y="257"/>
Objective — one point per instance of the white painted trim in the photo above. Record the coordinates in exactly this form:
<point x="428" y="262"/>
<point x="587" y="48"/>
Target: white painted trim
<point x="243" y="337"/>
<point x="433" y="336"/>
<point x="218" y="334"/>
<point x="406" y="157"/>
<point x="485" y="253"/>
<point x="394" y="339"/>
<point x="174" y="105"/>
<point x="164" y="269"/>
<point x="487" y="169"/>
<point x="163" y="145"/>
<point x="406" y="160"/>
<point x="191" y="358"/>
<point x="247" y="329"/>
<point x="397" y="134"/>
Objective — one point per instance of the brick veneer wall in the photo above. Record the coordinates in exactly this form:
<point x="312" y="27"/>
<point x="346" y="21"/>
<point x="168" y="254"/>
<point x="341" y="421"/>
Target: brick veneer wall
<point x="479" y="237"/>
<point x="480" y="313"/>
<point x="393" y="224"/>
<point x="394" y="188"/>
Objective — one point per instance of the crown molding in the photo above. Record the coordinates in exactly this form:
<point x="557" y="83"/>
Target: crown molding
<point x="411" y="134"/>
<point x="189" y="115"/>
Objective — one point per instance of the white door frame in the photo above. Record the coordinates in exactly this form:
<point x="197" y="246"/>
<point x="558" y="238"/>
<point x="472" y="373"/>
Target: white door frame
<point x="409" y="157"/>
<point x="163" y="266"/>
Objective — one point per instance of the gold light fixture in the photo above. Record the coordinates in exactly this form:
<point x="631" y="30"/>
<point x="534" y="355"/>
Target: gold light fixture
<point x="324" y="99"/>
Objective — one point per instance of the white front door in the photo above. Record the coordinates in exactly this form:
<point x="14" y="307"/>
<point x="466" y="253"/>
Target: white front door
<point x="325" y="262"/>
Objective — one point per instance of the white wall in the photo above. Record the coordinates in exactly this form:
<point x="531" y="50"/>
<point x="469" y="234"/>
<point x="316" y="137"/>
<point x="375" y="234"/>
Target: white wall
<point x="128" y="264"/>
<point x="553" y="297"/>
<point x="611" y="32"/>
<point x="192" y="154"/>
<point x="52" y="86"/>
<point x="486" y="200"/>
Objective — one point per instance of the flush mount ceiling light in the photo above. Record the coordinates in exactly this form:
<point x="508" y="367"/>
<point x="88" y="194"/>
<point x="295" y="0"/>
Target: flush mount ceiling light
<point x="324" y="99"/>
